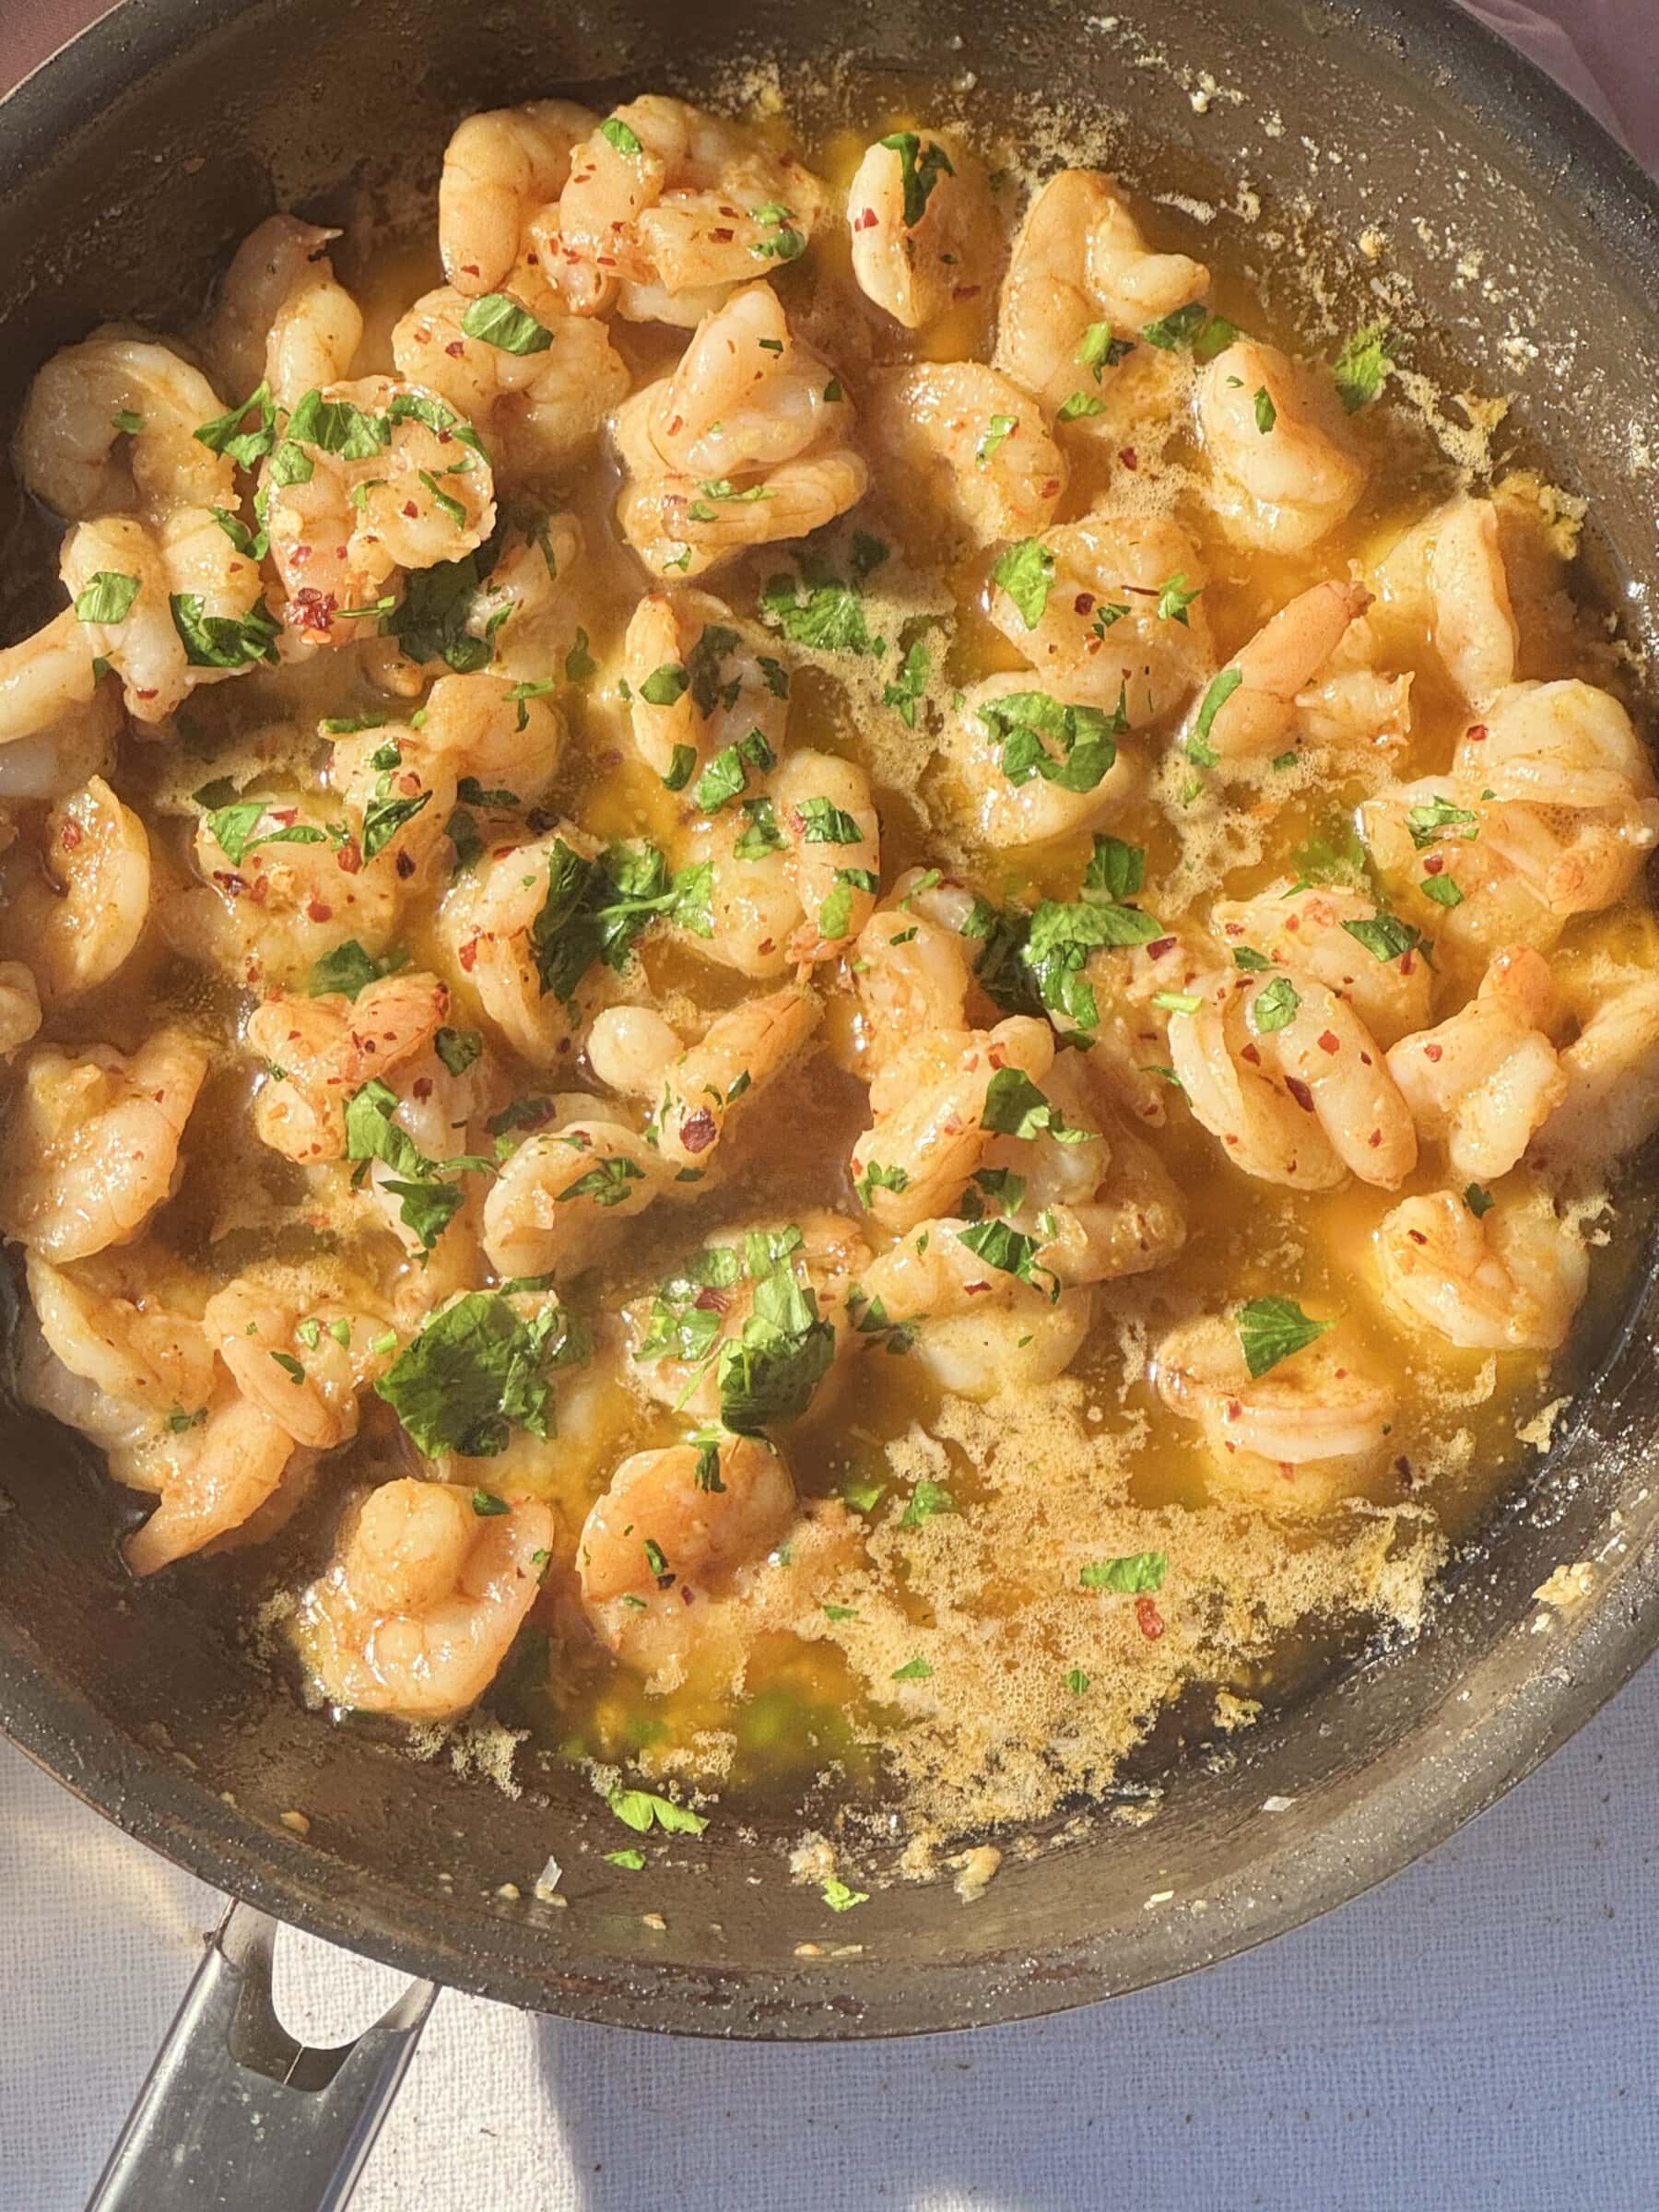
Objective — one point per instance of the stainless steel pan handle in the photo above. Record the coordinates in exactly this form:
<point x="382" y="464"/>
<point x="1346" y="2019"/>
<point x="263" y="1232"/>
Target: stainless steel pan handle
<point x="236" y="2115"/>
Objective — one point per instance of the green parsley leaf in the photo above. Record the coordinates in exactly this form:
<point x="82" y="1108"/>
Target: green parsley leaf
<point x="475" y="1371"/>
<point x="824" y="823"/>
<point x="877" y="1178"/>
<point x="1221" y="688"/>
<point x="349" y="970"/>
<point x="926" y="1501"/>
<point x="1385" y="936"/>
<point x="486" y="1505"/>
<point x="1026" y="572"/>
<point x="839" y="1899"/>
<point x="1115" y="870"/>
<point x="913" y="1670"/>
<point x="1361" y="368"/>
<point x="1072" y="746"/>
<point x="642" y="1809"/>
<point x="1136" y="1572"/>
<point x="108" y="598"/>
<point x="289" y="1366"/>
<point x="1079" y="404"/>
<point x="633" y="1858"/>
<point x="1271" y="1329"/>
<point x="1076" y="1681"/>
<point x="223" y="640"/>
<point x="665" y="685"/>
<point x="760" y="834"/>
<point x="682" y="764"/>
<point x="1010" y="1251"/>
<point x="500" y="320"/>
<point x="997" y="430"/>
<point x="1247" y="957"/>
<point x="1442" y="889"/>
<point x="1267" y="414"/>
<point x="1274" y="1005"/>
<point x="786" y="244"/>
<point x="385" y="815"/>
<point x="1174" y="599"/>
<point x="1439" y="817"/>
<point x="225" y="434"/>
<point x="825" y="615"/>
<point x="1479" y="1199"/>
<point x="617" y="132"/>
<point x="605" y="1183"/>
<point x="579" y="663"/>
<point x="127" y="422"/>
<point x="1098" y="350"/>
<point x="920" y="167"/>
<point x="911" y="682"/>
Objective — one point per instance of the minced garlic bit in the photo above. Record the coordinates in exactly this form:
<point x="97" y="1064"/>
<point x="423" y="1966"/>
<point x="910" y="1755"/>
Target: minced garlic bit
<point x="296" y="1822"/>
<point x="1568" y="1585"/>
<point x="977" y="1868"/>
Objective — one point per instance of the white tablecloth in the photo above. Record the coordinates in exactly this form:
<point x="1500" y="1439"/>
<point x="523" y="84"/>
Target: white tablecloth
<point x="1482" y="2032"/>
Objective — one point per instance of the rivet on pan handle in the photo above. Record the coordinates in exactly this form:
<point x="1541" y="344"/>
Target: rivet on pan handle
<point x="237" y="2116"/>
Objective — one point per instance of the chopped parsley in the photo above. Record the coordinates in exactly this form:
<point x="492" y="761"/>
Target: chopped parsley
<point x="821" y="612"/>
<point x="1026" y="572"/>
<point x="641" y="1810"/>
<point x="108" y="598"/>
<point x="500" y="320"/>
<point x="477" y="1370"/>
<point x="921" y="165"/>
<point x="1271" y="1329"/>
<point x="1361" y="368"/>
<point x="1072" y="746"/>
<point x="1274" y="1005"/>
<point x="1136" y="1572"/>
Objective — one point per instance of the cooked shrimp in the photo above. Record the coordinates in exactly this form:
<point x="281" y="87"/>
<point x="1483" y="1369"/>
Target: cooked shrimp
<point x="923" y="226"/>
<point x="657" y="1518"/>
<point x="297" y="1350"/>
<point x="93" y="1142"/>
<point x="1284" y="473"/>
<point x="499" y="166"/>
<point x="1611" y="1102"/>
<point x="76" y="453"/>
<point x="1447" y="575"/>
<point x="1296" y="1439"/>
<point x="475" y="727"/>
<point x="1507" y="1280"/>
<point x="1484" y="1080"/>
<point x="1098" y="1205"/>
<point x="826" y="812"/>
<point x="1248" y="712"/>
<point x="701" y="688"/>
<point x="826" y="1254"/>
<point x="753" y="906"/>
<point x="487" y="921"/>
<point x="566" y="1192"/>
<point x="929" y="1104"/>
<point x="1122" y="622"/>
<point x="78" y="905"/>
<point x="970" y="444"/>
<point x="745" y="444"/>
<point x="320" y="1053"/>
<point x="394" y="480"/>
<point x="1028" y="767"/>
<point x="211" y="1480"/>
<point x="19" y="1007"/>
<point x="1337" y="936"/>
<point x="911" y="972"/>
<point x="1080" y="261"/>
<point x="739" y="1053"/>
<point x="423" y="1599"/>
<point x="1282" y="1071"/>
<point x="51" y="695"/>
<point x="280" y="317"/>
<point x="132" y="1349"/>
<point x="540" y="407"/>
<point x="995" y="1348"/>
<point x="667" y="209"/>
<point x="270" y="915"/>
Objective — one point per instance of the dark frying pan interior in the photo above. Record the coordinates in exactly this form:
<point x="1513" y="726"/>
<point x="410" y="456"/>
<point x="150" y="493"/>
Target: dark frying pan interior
<point x="128" y="169"/>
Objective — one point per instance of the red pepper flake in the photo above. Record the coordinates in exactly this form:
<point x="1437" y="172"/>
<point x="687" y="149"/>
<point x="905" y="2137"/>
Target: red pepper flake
<point x="722" y="237"/>
<point x="405" y="864"/>
<point x="698" y="1132"/>
<point x="312" y="609"/>
<point x="1250" y="1053"/>
<point x="1475" y="734"/>
<point x="1299" y="1092"/>
<point x="1051" y="488"/>
<point x="710" y="1300"/>
<point x="422" y="1087"/>
<point x="1084" y="602"/>
<point x="1434" y="1052"/>
<point x="348" y="859"/>
<point x="1365" y="1060"/>
<point x="1329" y="1041"/>
<point x="867" y="220"/>
<point x="1127" y="455"/>
<point x="316" y="910"/>
<point x="1149" y="1618"/>
<point x="455" y="349"/>
<point x="410" y="509"/>
<point x="69" y="834"/>
<point x="973" y="1289"/>
<point x="1416" y="1236"/>
<point x="1160" y="945"/>
<point x="148" y="694"/>
<point x="1434" y="864"/>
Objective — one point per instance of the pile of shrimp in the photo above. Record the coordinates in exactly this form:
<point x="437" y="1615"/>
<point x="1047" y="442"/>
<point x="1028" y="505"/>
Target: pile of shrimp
<point x="552" y="901"/>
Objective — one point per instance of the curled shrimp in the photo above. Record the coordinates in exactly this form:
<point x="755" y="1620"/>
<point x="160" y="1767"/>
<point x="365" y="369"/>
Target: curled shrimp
<point x="1028" y="767"/>
<point x="1484" y="1080"/>
<point x="78" y="455"/>
<point x="93" y="1142"/>
<point x="1283" y="472"/>
<point x="132" y="1349"/>
<point x="78" y="907"/>
<point x="753" y="907"/>
<point x="1507" y="1280"/>
<point x="825" y="1253"/>
<point x="58" y="719"/>
<point x="567" y="1192"/>
<point x="695" y="1089"/>
<point x="296" y="1349"/>
<point x="184" y="582"/>
<point x="1447" y="576"/>
<point x="477" y="729"/>
<point x="1337" y="936"/>
<point x="319" y="1052"/>
<point x="826" y="814"/>
<point x="971" y="443"/>
<point x="923" y="224"/>
<point x="1080" y="261"/>
<point x="500" y="168"/>
<point x="657" y="1509"/>
<point x="1296" y="1439"/>
<point x="929" y="1104"/>
<point x="700" y="684"/>
<point x="281" y="316"/>
<point x="1610" y="1104"/>
<point x="667" y="209"/>
<point x="394" y="480"/>
<point x="540" y="408"/>
<point x="1288" y="1079"/>
<point x="1122" y="621"/>
<point x="996" y="1348"/>
<point x="486" y="922"/>
<point x="745" y="444"/>
<point x="1249" y="711"/>
<point x="911" y="972"/>
<point x="19" y="1007"/>
<point x="423" y="1599"/>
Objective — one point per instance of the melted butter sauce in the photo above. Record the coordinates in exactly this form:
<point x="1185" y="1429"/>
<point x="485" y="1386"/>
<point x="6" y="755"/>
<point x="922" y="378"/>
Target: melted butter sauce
<point x="801" y="1705"/>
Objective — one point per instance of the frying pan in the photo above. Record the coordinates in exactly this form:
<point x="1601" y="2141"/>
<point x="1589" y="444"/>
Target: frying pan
<point x="129" y="168"/>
